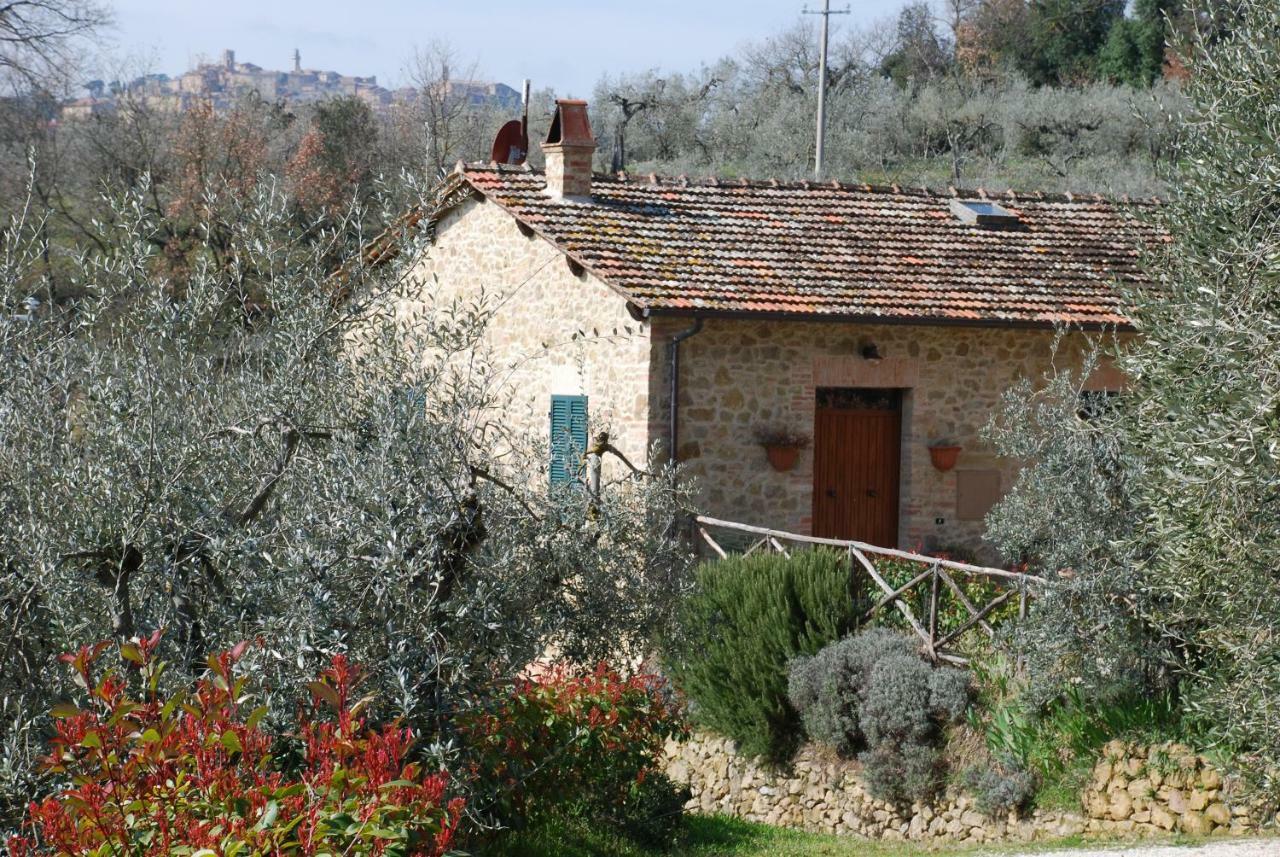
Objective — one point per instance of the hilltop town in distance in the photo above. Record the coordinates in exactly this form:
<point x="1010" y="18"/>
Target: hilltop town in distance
<point x="221" y="83"/>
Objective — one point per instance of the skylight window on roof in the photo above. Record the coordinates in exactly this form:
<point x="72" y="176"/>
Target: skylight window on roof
<point x="980" y="212"/>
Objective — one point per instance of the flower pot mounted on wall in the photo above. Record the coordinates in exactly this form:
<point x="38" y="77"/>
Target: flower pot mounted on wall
<point x="782" y="445"/>
<point x="944" y="458"/>
<point x="782" y="458"/>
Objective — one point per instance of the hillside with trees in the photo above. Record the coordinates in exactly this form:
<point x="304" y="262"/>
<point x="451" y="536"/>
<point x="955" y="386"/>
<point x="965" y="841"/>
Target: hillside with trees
<point x="1047" y="95"/>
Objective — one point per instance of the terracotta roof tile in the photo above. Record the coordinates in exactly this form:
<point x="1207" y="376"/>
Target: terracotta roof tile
<point x="836" y="250"/>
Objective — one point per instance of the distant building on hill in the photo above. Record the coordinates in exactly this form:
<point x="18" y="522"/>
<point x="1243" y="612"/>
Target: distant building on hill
<point x="222" y="83"/>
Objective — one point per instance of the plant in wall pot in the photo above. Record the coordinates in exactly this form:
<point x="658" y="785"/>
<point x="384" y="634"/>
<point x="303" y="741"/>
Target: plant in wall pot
<point x="782" y="445"/>
<point x="944" y="454"/>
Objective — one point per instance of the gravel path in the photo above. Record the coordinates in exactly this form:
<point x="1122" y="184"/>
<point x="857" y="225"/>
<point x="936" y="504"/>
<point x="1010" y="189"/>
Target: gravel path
<point x="1238" y="848"/>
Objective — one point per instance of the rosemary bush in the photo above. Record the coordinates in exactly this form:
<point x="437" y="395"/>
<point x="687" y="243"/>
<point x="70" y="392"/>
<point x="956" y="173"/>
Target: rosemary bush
<point x="747" y="617"/>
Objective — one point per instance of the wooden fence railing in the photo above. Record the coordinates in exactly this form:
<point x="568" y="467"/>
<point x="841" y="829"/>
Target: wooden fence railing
<point x="937" y="643"/>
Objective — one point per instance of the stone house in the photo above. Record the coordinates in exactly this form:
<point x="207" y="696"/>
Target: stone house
<point x="876" y="322"/>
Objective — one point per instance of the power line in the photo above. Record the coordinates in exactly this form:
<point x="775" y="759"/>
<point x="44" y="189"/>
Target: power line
<point x="826" y="14"/>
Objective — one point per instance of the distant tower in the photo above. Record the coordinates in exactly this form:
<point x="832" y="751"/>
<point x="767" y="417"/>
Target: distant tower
<point x="297" y="60"/>
<point x="229" y="59"/>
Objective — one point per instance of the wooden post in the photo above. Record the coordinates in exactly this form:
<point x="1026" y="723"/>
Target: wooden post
<point x="933" y="611"/>
<point x="715" y="547"/>
<point x="595" y="463"/>
<point x="855" y="554"/>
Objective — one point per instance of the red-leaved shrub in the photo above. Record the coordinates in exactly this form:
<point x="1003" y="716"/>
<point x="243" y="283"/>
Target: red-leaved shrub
<point x="193" y="773"/>
<point x="570" y="737"/>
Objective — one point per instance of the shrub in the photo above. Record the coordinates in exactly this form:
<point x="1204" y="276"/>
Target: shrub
<point x="999" y="789"/>
<point x="749" y="616"/>
<point x="950" y="692"/>
<point x="569" y="742"/>
<point x="826" y="689"/>
<point x="890" y="774"/>
<point x="905" y="705"/>
<point x="196" y="771"/>
<point x="874" y="691"/>
<point x="653" y="810"/>
<point x="895" y="701"/>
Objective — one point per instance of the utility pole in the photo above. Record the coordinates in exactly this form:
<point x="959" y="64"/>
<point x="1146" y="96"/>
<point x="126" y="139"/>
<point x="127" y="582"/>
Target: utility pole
<point x="826" y="14"/>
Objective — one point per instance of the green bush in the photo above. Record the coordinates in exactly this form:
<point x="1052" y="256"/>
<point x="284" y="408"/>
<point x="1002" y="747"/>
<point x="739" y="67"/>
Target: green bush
<point x="573" y="742"/>
<point x="874" y="691"/>
<point x="747" y="617"/>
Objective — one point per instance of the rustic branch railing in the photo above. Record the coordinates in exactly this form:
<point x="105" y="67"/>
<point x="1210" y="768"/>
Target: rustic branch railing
<point x="936" y="572"/>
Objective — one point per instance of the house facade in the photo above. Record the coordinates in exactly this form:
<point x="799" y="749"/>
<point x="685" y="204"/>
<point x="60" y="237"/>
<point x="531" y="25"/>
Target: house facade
<point x="688" y="317"/>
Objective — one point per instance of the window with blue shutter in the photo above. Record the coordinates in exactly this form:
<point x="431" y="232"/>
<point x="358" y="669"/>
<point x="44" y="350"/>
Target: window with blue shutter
<point x="568" y="437"/>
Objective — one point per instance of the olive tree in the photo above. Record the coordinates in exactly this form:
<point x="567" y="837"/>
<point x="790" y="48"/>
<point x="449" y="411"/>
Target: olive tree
<point x="1206" y="415"/>
<point x="264" y="450"/>
<point x="1166" y="508"/>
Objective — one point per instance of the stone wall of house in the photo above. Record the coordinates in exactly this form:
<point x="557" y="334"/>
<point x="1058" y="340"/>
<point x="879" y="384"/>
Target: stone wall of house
<point x="553" y="330"/>
<point x="737" y="375"/>
<point x="1177" y="792"/>
<point x="560" y="331"/>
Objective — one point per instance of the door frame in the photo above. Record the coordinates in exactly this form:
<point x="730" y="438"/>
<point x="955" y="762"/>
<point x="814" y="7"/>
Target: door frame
<point x="880" y="399"/>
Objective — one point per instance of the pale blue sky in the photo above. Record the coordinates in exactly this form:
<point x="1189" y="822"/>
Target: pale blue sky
<point x="565" y="44"/>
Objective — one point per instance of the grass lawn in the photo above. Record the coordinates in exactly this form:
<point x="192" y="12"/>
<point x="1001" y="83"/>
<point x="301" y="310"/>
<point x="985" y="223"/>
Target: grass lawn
<point x="719" y="836"/>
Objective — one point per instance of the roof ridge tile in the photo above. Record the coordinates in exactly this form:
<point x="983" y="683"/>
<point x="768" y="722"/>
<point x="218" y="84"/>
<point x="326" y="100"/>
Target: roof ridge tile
<point x="805" y="184"/>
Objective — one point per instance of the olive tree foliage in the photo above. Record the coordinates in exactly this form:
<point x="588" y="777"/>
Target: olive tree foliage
<point x="1167" y="508"/>
<point x="1071" y="516"/>
<point x="240" y="455"/>
<point x="1208" y="412"/>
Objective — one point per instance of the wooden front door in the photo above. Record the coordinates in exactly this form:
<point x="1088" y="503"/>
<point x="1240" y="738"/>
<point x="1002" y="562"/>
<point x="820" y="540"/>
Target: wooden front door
<point x="856" y="457"/>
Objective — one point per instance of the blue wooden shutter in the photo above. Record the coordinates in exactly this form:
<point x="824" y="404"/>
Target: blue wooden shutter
<point x="568" y="437"/>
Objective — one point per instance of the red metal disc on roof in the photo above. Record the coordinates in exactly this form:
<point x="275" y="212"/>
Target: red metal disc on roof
<point x="510" y="146"/>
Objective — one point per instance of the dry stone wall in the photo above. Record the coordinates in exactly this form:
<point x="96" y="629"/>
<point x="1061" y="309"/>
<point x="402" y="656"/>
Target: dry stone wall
<point x="1162" y="789"/>
<point x="1135" y="791"/>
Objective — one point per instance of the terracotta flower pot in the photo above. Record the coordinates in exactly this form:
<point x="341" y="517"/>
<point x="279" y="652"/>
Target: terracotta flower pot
<point x="782" y="458"/>
<point x="944" y="457"/>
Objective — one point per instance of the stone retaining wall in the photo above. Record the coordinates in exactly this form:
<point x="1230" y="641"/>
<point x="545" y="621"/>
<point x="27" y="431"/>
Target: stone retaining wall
<point x="1160" y="789"/>
<point x="1134" y="791"/>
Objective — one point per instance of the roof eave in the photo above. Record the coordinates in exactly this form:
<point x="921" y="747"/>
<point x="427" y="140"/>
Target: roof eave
<point x="564" y="251"/>
<point x="871" y="318"/>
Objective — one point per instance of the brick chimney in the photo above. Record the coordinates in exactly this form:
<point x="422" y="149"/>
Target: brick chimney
<point x="568" y="151"/>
